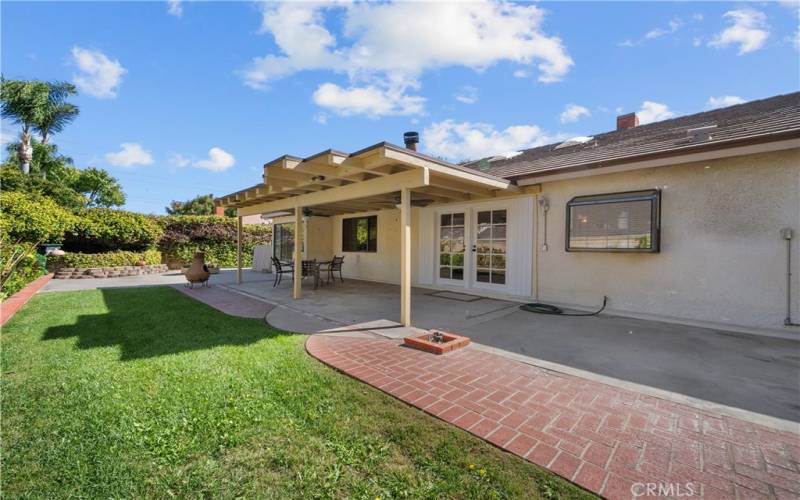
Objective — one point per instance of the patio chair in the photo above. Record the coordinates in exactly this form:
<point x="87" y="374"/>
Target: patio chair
<point x="279" y="269"/>
<point x="335" y="265"/>
<point x="311" y="269"/>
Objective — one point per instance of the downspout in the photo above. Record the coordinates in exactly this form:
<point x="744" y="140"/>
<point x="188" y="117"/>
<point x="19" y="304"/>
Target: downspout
<point x="535" y="230"/>
<point x="787" y="235"/>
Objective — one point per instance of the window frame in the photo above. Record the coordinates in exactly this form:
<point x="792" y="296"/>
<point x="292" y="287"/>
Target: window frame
<point x="651" y="195"/>
<point x="372" y="229"/>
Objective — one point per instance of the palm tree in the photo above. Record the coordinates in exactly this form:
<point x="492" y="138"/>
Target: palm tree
<point x="23" y="102"/>
<point x="57" y="113"/>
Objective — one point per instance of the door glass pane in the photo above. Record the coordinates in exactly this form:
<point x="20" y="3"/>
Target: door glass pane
<point x="498" y="262"/>
<point x="490" y="258"/>
<point x="498" y="247"/>
<point x="451" y="246"/>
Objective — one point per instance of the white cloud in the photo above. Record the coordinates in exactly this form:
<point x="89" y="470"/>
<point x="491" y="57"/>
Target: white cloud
<point x="521" y="73"/>
<point x="218" y="160"/>
<point x="673" y="26"/>
<point x="370" y="101"/>
<point x="388" y="46"/>
<point x="465" y="140"/>
<point x="178" y="160"/>
<point x="573" y="113"/>
<point x="748" y="29"/>
<point x="174" y="8"/>
<point x="467" y="95"/>
<point x="98" y="75"/>
<point x="131" y="155"/>
<point x="653" y="112"/>
<point x="321" y="118"/>
<point x="724" y="101"/>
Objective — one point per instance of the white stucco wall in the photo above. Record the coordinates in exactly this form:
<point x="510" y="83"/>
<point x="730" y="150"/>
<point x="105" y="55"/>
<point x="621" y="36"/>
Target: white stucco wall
<point x="383" y="265"/>
<point x="722" y="259"/>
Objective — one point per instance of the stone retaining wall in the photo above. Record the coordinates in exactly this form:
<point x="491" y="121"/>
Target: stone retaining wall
<point x="108" y="272"/>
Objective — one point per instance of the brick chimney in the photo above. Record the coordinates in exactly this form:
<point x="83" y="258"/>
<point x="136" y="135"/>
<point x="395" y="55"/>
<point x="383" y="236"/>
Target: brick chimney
<point x="627" y="121"/>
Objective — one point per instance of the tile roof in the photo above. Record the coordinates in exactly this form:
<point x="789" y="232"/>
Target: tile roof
<point x="766" y="118"/>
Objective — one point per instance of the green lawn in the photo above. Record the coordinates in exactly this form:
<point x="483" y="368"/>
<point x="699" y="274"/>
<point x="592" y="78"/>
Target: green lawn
<point x="143" y="392"/>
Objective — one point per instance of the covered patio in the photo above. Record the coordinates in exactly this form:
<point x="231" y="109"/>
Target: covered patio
<point x="380" y="177"/>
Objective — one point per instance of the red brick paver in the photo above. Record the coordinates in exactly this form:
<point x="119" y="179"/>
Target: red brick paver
<point x="604" y="438"/>
<point x="11" y="305"/>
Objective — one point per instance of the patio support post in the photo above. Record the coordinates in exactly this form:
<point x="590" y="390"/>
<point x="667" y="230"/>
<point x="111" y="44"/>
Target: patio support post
<point x="405" y="256"/>
<point x="239" y="250"/>
<point x="297" y="282"/>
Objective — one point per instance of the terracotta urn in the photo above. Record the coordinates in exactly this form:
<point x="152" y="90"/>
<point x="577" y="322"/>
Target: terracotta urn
<point x="198" y="271"/>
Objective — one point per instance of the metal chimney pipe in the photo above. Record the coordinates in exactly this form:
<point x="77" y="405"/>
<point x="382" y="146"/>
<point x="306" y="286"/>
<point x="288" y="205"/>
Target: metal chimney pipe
<point x="411" y="140"/>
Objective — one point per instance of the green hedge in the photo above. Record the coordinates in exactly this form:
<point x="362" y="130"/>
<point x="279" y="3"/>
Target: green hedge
<point x="105" y="230"/>
<point x="33" y="219"/>
<point x="107" y="259"/>
<point x="216" y="236"/>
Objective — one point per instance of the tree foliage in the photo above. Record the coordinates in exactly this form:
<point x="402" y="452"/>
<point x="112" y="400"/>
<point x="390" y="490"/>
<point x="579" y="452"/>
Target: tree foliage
<point x="99" y="188"/>
<point x="55" y="176"/>
<point x="200" y="205"/>
<point x="56" y="113"/>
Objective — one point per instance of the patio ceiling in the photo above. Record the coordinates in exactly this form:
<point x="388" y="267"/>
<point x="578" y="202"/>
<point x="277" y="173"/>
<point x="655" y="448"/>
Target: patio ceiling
<point x="333" y="182"/>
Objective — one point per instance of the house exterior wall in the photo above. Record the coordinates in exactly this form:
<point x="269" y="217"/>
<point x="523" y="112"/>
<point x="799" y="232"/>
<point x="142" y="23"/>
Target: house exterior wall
<point x="383" y="265"/>
<point x="722" y="259"/>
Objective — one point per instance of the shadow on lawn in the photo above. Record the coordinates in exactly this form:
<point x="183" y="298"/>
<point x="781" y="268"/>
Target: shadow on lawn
<point x="158" y="321"/>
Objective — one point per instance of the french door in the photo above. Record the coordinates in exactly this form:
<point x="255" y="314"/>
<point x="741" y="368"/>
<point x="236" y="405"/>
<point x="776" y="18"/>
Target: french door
<point x="472" y="248"/>
<point x="490" y="248"/>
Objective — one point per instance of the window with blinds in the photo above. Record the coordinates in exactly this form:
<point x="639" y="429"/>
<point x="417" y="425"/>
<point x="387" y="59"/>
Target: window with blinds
<point x="616" y="222"/>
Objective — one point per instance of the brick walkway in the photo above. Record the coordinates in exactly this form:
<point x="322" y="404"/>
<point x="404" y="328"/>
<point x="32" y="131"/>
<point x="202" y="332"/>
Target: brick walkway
<point x="11" y="305"/>
<point x="603" y="438"/>
<point x="232" y="304"/>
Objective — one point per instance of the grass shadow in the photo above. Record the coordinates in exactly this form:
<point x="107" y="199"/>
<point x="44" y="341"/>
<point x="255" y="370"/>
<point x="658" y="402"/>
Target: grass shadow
<point x="158" y="321"/>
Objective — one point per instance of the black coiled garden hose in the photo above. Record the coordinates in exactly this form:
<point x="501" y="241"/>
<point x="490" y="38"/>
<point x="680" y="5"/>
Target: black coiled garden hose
<point x="538" y="307"/>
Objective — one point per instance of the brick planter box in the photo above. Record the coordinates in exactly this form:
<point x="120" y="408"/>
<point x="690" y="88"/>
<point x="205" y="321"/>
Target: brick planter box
<point x="108" y="272"/>
<point x="425" y="342"/>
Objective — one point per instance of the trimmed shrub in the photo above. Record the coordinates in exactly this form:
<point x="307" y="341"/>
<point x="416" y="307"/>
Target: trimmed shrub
<point x="107" y="259"/>
<point x="216" y="236"/>
<point x="33" y="219"/>
<point x="104" y="230"/>
<point x="27" y="266"/>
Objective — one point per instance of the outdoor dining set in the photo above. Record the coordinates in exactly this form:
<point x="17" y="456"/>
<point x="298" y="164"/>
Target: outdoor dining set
<point x="311" y="269"/>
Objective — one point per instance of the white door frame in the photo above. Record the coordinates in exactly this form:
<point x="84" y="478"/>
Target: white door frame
<point x="470" y="211"/>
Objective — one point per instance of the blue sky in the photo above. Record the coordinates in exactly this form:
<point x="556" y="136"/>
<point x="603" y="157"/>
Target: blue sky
<point x="183" y="98"/>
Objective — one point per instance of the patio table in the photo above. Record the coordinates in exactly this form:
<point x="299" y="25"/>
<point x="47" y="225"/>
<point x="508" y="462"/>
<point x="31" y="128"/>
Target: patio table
<point x="315" y="264"/>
